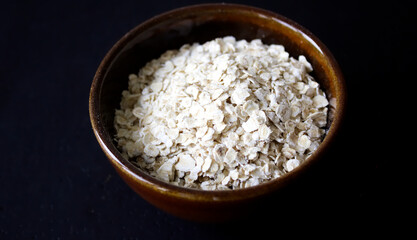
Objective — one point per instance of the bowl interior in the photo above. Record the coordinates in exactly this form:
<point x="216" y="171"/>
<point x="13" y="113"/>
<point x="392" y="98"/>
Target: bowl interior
<point x="200" y="24"/>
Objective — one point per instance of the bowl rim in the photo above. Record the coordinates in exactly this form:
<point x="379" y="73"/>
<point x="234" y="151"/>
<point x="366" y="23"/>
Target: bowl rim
<point x="147" y="180"/>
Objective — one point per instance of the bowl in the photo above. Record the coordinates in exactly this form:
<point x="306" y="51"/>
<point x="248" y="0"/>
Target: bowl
<point x="201" y="23"/>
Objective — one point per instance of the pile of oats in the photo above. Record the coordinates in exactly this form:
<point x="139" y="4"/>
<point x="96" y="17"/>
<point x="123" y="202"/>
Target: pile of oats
<point x="223" y="115"/>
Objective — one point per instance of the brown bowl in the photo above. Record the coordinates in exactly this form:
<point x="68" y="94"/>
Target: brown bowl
<point x="201" y="23"/>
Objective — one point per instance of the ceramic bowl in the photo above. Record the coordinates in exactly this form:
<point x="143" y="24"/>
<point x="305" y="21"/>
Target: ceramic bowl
<point x="201" y="23"/>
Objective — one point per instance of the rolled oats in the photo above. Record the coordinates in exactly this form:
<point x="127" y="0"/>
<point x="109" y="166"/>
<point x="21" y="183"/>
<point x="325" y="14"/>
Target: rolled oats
<point x="226" y="114"/>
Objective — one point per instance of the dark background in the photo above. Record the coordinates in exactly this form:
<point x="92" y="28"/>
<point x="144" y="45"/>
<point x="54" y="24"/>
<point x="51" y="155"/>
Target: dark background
<point x="55" y="182"/>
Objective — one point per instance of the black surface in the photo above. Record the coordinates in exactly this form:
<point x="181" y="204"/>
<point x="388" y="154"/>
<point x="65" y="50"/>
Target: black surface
<point x="55" y="182"/>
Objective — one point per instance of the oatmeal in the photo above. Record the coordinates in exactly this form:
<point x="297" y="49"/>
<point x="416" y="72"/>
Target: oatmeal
<point x="226" y="114"/>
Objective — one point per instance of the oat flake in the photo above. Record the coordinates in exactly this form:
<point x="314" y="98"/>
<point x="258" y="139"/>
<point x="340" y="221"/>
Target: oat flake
<point x="226" y="114"/>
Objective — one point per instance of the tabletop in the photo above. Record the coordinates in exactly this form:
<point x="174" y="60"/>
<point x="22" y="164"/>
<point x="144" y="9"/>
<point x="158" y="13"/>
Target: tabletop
<point x="56" y="183"/>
